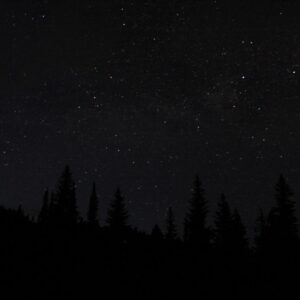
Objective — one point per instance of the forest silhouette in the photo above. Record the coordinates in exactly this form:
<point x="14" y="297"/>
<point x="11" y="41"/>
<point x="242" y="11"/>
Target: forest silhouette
<point x="60" y="255"/>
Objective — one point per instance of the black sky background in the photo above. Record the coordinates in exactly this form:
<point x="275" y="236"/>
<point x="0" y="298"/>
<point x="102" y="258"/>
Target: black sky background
<point x="144" y="95"/>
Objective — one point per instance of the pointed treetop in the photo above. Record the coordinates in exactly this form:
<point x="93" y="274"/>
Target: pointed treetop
<point x="223" y="224"/>
<point x="117" y="214"/>
<point x="93" y="206"/>
<point x="284" y="193"/>
<point x="198" y="191"/>
<point x="239" y="231"/>
<point x="198" y="209"/>
<point x="64" y="206"/>
<point x="44" y="212"/>
<point x="223" y="213"/>
<point x="171" y="233"/>
<point x="195" y="229"/>
<point x="282" y="218"/>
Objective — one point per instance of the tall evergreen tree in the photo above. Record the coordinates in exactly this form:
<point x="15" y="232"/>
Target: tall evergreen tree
<point x="240" y="242"/>
<point x="286" y="209"/>
<point x="93" y="207"/>
<point x="260" y="231"/>
<point x="44" y="212"/>
<point x="65" y="208"/>
<point x="171" y="233"/>
<point x="282" y="222"/>
<point x="117" y="214"/>
<point x="196" y="230"/>
<point x="223" y="225"/>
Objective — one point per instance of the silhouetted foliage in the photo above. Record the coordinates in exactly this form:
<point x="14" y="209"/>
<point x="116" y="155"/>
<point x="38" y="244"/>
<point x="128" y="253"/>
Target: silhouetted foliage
<point x="60" y="260"/>
<point x="240" y="241"/>
<point x="196" y="230"/>
<point x="44" y="212"/>
<point x="282" y="218"/>
<point x="93" y="207"/>
<point x="64" y="201"/>
<point x="117" y="214"/>
<point x="223" y="225"/>
<point x="171" y="233"/>
<point x="260" y="231"/>
<point x="277" y="245"/>
<point x="157" y="234"/>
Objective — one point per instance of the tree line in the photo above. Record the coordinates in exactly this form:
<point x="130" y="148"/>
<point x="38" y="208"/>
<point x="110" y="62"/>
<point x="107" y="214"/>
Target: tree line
<point x="59" y="255"/>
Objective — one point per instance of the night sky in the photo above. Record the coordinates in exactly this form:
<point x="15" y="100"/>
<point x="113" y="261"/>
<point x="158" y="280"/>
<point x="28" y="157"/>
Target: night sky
<point x="144" y="95"/>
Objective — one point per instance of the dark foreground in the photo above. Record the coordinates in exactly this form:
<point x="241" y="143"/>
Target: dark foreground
<point x="61" y="256"/>
<point x="86" y="262"/>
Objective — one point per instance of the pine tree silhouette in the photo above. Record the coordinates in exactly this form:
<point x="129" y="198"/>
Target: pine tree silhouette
<point x="44" y="212"/>
<point x="223" y="225"/>
<point x="196" y="231"/>
<point x="117" y="214"/>
<point x="286" y="209"/>
<point x="93" y="207"/>
<point x="64" y="206"/>
<point x="240" y="241"/>
<point x="171" y="233"/>
<point x="260" y="231"/>
<point x="278" y="245"/>
<point x="230" y="233"/>
<point x="157" y="234"/>
<point x="282" y="222"/>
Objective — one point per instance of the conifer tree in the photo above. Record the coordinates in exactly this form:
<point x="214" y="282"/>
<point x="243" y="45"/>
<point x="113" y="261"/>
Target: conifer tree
<point x="196" y="230"/>
<point x="282" y="222"/>
<point x="286" y="209"/>
<point x="117" y="214"/>
<point x="65" y="209"/>
<point x="171" y="233"/>
<point x="44" y="212"/>
<point x="260" y="231"/>
<point x="93" y="207"/>
<point x="230" y="233"/>
<point x="223" y="225"/>
<point x="240" y="242"/>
